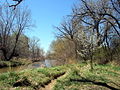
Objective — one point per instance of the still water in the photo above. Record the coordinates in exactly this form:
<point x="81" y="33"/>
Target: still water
<point x="44" y="63"/>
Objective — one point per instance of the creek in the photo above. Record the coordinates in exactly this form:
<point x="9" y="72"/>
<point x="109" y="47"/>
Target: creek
<point x="39" y="64"/>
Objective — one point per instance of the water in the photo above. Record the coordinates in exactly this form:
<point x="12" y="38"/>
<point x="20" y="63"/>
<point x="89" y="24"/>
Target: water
<point x="44" y="63"/>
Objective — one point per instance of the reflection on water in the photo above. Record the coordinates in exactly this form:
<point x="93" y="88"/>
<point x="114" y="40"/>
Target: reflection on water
<point x="46" y="63"/>
<point x="35" y="65"/>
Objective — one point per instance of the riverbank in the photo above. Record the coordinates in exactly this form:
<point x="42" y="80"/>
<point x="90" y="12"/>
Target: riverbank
<point x="77" y="77"/>
<point x="14" y="63"/>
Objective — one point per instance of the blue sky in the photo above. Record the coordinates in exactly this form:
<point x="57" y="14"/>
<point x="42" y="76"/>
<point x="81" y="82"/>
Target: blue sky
<point x="46" y="14"/>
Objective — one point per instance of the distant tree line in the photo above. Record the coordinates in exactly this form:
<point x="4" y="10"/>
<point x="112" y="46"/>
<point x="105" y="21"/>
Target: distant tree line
<point x="91" y="32"/>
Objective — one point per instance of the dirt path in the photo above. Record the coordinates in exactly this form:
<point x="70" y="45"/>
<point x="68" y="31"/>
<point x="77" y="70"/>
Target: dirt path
<point x="52" y="83"/>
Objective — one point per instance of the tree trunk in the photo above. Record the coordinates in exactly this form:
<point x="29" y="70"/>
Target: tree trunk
<point x="91" y="61"/>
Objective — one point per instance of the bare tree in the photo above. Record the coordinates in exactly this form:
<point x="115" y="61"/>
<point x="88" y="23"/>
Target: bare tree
<point x="74" y="31"/>
<point x="69" y="29"/>
<point x="100" y="16"/>
<point x="37" y="52"/>
<point x="12" y="22"/>
<point x="17" y="3"/>
<point x="116" y="5"/>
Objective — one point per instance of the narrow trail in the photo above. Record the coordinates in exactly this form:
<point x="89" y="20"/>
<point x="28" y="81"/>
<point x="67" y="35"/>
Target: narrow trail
<point x="52" y="83"/>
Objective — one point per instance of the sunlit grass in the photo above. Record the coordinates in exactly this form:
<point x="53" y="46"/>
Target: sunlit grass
<point x="77" y="77"/>
<point x="84" y="78"/>
<point x="36" y="77"/>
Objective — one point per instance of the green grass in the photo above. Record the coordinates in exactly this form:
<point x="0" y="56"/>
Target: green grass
<point x="36" y="77"/>
<point x="77" y="77"/>
<point x="82" y="78"/>
<point x="14" y="62"/>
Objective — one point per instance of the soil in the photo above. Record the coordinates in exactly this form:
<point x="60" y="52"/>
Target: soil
<point x="52" y="83"/>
